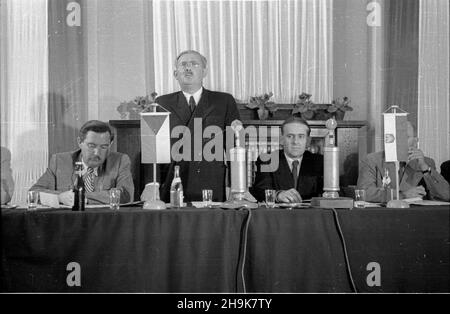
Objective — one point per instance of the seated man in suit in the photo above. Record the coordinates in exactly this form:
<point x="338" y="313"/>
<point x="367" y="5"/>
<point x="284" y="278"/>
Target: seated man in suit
<point x="104" y="168"/>
<point x="445" y="170"/>
<point x="7" y="182"/>
<point x="417" y="178"/>
<point x="196" y="106"/>
<point x="299" y="174"/>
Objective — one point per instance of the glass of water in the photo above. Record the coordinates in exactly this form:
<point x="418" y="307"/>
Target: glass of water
<point x="114" y="198"/>
<point x="360" y="198"/>
<point x="270" y="198"/>
<point x="207" y="198"/>
<point x="32" y="199"/>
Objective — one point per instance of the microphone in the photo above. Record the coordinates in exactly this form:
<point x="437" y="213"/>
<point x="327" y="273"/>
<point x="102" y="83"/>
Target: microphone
<point x="239" y="195"/>
<point x="330" y="198"/>
<point x="238" y="162"/>
<point x="331" y="162"/>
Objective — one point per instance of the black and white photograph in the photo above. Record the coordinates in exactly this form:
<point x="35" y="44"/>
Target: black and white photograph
<point x="225" y="154"/>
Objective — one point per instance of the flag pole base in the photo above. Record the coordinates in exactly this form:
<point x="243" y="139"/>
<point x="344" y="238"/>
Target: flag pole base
<point x="397" y="204"/>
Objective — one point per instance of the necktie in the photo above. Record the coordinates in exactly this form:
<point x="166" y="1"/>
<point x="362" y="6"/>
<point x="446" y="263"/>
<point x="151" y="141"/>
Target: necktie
<point x="89" y="180"/>
<point x="295" y="172"/>
<point x="192" y="103"/>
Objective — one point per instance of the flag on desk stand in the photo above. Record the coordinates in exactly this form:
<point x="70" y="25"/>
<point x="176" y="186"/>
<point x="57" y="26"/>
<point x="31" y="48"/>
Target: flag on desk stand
<point x="395" y="137"/>
<point x="155" y="137"/>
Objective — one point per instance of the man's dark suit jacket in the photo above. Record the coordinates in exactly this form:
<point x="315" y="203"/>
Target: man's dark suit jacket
<point x="445" y="170"/>
<point x="213" y="108"/>
<point x="310" y="179"/>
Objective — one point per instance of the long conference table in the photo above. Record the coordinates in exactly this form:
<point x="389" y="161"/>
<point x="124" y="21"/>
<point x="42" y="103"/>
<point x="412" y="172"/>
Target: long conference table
<point x="216" y="250"/>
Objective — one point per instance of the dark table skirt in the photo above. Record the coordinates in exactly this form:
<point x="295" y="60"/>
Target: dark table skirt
<point x="215" y="250"/>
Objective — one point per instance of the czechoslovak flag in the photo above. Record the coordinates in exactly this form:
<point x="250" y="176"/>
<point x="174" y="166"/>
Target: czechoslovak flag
<point x="155" y="137"/>
<point x="395" y="137"/>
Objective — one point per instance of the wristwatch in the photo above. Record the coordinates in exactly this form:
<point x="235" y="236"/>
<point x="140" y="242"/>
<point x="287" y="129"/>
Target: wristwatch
<point x="427" y="171"/>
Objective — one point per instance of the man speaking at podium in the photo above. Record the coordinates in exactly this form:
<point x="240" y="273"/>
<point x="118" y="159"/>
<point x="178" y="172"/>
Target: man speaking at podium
<point x="300" y="172"/>
<point x="196" y="104"/>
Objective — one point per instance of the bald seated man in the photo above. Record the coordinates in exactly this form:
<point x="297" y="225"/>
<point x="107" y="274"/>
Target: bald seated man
<point x="417" y="177"/>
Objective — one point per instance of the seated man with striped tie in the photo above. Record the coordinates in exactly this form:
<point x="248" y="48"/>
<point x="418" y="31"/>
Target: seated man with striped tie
<point x="102" y="169"/>
<point x="299" y="174"/>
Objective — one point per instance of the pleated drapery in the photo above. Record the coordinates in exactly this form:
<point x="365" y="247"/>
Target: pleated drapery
<point x="434" y="79"/>
<point x="24" y="89"/>
<point x="252" y="47"/>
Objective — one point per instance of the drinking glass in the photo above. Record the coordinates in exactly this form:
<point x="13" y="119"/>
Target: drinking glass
<point x="207" y="197"/>
<point x="32" y="199"/>
<point x="114" y="198"/>
<point x="270" y="198"/>
<point x="360" y="198"/>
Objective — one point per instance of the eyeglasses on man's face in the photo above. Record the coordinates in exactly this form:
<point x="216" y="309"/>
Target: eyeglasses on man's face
<point x="190" y="64"/>
<point x="92" y="146"/>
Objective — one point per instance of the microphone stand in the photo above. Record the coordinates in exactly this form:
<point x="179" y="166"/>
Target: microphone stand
<point x="238" y="169"/>
<point x="330" y="198"/>
<point x="151" y="191"/>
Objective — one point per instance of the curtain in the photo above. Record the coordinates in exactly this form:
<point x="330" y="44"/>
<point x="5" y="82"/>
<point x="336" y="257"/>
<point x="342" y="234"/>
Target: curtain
<point x="24" y="89"/>
<point x="434" y="82"/>
<point x="252" y="47"/>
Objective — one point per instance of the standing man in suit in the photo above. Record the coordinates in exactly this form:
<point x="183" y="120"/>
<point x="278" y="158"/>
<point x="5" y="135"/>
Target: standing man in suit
<point x="417" y="178"/>
<point x="299" y="174"/>
<point x="190" y="107"/>
<point x="102" y="169"/>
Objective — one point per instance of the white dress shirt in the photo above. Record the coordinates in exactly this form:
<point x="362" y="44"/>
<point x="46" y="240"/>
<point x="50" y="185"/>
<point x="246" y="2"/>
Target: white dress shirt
<point x="291" y="160"/>
<point x="197" y="95"/>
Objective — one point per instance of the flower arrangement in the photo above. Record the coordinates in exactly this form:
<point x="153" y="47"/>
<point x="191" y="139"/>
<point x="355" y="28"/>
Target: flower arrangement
<point x="131" y="109"/>
<point x="305" y="107"/>
<point x="311" y="111"/>
<point x="264" y="106"/>
<point x="339" y="106"/>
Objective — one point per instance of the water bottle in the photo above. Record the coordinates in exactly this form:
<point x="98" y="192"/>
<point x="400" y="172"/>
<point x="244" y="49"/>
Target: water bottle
<point x="176" y="190"/>
<point x="79" y="192"/>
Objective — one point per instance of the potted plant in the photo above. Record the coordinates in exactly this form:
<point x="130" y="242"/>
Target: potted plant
<point x="265" y="107"/>
<point x="311" y="111"/>
<point x="132" y="109"/>
<point x="338" y="107"/>
<point x="307" y="109"/>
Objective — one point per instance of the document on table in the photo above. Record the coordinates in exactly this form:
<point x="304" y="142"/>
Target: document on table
<point x="420" y="201"/>
<point x="202" y="204"/>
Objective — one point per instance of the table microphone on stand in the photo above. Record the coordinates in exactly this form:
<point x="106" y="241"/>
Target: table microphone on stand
<point x="330" y="198"/>
<point x="238" y="167"/>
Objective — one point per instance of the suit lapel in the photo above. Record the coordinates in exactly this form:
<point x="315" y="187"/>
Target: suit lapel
<point x="284" y="172"/>
<point x="203" y="109"/>
<point x="180" y="108"/>
<point x="304" y="170"/>
<point x="205" y="106"/>
<point x="76" y="156"/>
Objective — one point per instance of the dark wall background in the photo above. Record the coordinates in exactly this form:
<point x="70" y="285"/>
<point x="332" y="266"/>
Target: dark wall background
<point x="403" y="56"/>
<point x="68" y="94"/>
